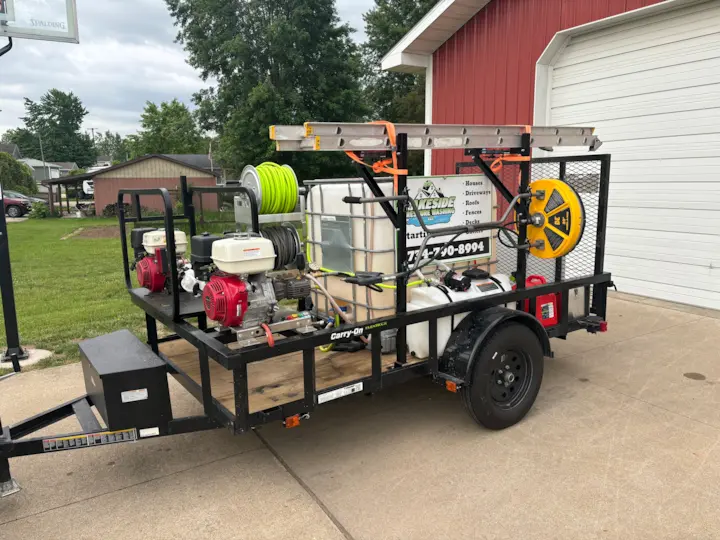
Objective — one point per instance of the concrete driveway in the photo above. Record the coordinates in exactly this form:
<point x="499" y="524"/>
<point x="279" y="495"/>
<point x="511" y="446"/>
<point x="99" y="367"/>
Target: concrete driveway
<point x="622" y="443"/>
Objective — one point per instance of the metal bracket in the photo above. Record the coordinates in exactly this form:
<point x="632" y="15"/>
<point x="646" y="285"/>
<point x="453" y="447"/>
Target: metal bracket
<point x="256" y="335"/>
<point x="9" y="488"/>
<point x="6" y="49"/>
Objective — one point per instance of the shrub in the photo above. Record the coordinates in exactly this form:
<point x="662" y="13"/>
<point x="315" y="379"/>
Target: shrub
<point x="39" y="211"/>
<point x="111" y="211"/>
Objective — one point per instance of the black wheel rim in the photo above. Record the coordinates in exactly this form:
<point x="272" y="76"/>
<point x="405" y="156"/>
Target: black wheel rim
<point x="510" y="378"/>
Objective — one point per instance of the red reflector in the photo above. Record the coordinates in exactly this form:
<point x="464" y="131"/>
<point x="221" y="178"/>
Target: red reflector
<point x="603" y="326"/>
<point x="292" y="421"/>
<point x="451" y="386"/>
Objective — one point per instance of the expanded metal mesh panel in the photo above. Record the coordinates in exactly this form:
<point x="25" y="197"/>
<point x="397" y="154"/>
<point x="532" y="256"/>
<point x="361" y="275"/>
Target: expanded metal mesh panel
<point x="585" y="176"/>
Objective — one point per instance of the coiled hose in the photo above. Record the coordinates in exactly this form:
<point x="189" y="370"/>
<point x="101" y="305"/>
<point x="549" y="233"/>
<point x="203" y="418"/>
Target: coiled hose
<point x="279" y="188"/>
<point x="286" y="243"/>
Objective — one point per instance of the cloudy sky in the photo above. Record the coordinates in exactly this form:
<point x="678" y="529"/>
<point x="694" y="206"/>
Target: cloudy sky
<point x="125" y="58"/>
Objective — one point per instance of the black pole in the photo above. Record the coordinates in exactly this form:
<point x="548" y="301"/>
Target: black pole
<point x="560" y="260"/>
<point x="523" y="213"/>
<point x="402" y="266"/>
<point x="188" y="207"/>
<point x="14" y="352"/>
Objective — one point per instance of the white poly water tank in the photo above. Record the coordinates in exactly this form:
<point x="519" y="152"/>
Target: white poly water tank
<point x="418" y="339"/>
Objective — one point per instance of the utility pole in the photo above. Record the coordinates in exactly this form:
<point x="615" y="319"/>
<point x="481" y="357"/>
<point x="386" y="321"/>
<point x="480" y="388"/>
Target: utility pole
<point x="46" y="169"/>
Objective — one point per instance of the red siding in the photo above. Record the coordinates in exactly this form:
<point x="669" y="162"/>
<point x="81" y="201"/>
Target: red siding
<point x="106" y="191"/>
<point x="485" y="73"/>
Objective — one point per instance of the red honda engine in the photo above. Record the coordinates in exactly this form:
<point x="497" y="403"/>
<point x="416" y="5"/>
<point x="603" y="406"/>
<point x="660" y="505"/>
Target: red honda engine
<point x="150" y="275"/>
<point x="226" y="300"/>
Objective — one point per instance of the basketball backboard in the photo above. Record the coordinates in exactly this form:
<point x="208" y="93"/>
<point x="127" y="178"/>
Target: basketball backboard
<point x="48" y="20"/>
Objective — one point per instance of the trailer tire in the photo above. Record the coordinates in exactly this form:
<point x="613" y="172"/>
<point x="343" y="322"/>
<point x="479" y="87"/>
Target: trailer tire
<point x="497" y="397"/>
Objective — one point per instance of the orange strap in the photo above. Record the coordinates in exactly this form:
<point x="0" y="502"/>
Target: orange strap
<point x="390" y="165"/>
<point x="497" y="165"/>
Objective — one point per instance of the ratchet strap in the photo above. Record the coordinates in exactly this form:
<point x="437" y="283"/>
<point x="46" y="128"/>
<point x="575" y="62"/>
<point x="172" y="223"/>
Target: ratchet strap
<point x="388" y="165"/>
<point x="498" y="164"/>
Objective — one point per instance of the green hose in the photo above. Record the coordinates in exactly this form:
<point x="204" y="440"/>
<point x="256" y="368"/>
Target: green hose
<point x="279" y="189"/>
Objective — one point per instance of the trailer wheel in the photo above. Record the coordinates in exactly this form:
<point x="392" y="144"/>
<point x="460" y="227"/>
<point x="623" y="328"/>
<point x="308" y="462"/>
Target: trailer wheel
<point x="505" y="378"/>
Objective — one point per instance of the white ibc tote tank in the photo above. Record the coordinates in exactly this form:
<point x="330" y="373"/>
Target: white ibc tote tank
<point x="351" y="238"/>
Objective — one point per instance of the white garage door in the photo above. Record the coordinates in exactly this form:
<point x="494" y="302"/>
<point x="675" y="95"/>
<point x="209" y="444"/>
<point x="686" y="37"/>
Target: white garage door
<point x="652" y="89"/>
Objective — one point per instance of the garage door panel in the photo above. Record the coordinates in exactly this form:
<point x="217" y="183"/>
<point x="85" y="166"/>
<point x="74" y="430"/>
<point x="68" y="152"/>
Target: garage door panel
<point x="676" y="241"/>
<point x="689" y="276"/>
<point x="697" y="171"/>
<point x="692" y="265"/>
<point x="606" y="85"/>
<point x="667" y="20"/>
<point x="697" y="47"/>
<point x="637" y="202"/>
<point x="664" y="198"/>
<point x="658" y="224"/>
<point x="637" y="39"/>
<point x="674" y="216"/>
<point x="677" y="124"/>
<point x="651" y="87"/>
<point x="672" y="293"/>
<point x="685" y="147"/>
<point x="639" y="108"/>
<point x="698" y="262"/>
<point x="678" y="191"/>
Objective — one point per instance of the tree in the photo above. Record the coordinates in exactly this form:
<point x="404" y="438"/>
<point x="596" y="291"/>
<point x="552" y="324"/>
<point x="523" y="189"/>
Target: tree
<point x="282" y="62"/>
<point x="397" y="97"/>
<point x="55" y="120"/>
<point x="16" y="175"/>
<point x="113" y="145"/>
<point x="167" y="129"/>
<point x="27" y="141"/>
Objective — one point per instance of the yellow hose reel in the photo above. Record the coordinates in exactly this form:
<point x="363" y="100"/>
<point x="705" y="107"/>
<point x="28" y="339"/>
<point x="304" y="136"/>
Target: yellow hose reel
<point x="557" y="219"/>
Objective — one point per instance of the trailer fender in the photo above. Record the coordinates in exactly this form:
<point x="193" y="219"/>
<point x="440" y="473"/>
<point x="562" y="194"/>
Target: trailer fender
<point x="471" y="334"/>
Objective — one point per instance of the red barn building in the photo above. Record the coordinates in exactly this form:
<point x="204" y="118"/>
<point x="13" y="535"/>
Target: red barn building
<point x="645" y="73"/>
<point x="150" y="171"/>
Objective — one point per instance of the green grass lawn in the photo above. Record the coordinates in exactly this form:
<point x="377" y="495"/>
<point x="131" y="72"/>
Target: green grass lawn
<point x="68" y="290"/>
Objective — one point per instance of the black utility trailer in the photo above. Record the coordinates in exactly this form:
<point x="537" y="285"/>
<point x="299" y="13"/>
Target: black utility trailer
<point x="492" y="350"/>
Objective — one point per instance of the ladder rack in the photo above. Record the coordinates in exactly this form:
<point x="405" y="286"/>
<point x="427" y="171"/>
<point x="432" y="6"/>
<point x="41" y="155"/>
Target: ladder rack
<point x="358" y="137"/>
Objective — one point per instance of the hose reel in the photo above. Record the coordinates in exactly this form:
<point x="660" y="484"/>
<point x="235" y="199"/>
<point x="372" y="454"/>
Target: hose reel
<point x="557" y="219"/>
<point x="275" y="187"/>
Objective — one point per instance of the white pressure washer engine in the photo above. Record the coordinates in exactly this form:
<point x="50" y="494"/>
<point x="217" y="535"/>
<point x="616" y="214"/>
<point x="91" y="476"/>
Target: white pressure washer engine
<point x="230" y="273"/>
<point x="240" y="293"/>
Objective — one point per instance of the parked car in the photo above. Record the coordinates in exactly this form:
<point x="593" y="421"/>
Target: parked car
<point x="18" y="195"/>
<point x="16" y="207"/>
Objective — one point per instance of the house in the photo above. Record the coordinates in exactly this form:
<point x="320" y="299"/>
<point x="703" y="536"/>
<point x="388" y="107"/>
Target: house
<point x="102" y="162"/>
<point x="645" y="73"/>
<point x="151" y="171"/>
<point x="202" y="161"/>
<point x="66" y="167"/>
<point x="42" y="170"/>
<point x="12" y="149"/>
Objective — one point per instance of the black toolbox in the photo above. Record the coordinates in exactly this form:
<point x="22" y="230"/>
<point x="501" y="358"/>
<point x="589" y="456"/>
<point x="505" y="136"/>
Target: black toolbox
<point x="127" y="382"/>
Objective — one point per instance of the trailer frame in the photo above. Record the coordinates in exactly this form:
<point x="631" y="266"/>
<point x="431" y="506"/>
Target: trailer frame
<point x="179" y="309"/>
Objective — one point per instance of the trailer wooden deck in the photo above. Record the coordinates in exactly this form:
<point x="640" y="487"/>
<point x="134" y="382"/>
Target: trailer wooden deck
<point x="275" y="381"/>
